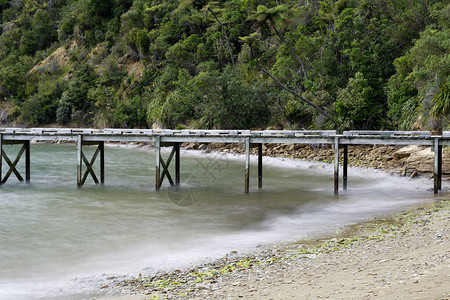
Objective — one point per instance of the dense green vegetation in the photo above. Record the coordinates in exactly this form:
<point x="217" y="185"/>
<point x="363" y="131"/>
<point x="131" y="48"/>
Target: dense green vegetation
<point x="360" y="64"/>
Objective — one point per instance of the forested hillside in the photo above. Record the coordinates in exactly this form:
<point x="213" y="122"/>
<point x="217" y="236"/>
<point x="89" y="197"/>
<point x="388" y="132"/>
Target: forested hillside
<point x="347" y="64"/>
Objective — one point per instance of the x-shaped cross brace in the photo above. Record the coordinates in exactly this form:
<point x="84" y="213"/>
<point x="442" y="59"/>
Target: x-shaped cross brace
<point x="166" y="167"/>
<point x="82" y="160"/>
<point x="165" y="164"/>
<point x="12" y="165"/>
<point x="89" y="165"/>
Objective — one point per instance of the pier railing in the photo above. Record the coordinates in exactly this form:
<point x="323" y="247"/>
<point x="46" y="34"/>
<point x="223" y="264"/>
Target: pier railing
<point x="173" y="138"/>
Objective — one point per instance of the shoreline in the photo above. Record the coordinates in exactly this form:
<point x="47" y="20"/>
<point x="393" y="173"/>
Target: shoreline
<point x="306" y="269"/>
<point x="257" y="275"/>
<point x="238" y="276"/>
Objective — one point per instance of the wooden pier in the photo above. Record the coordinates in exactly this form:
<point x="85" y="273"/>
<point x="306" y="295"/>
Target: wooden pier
<point x="174" y="138"/>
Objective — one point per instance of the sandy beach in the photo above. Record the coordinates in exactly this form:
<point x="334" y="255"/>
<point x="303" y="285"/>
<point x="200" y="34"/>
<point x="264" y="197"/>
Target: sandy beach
<point x="403" y="256"/>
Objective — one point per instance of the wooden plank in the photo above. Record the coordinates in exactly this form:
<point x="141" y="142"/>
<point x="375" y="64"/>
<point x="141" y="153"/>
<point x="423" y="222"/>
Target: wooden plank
<point x="386" y="133"/>
<point x="386" y="141"/>
<point x="14" y="142"/>
<point x="247" y="164"/>
<point x="336" y="165"/>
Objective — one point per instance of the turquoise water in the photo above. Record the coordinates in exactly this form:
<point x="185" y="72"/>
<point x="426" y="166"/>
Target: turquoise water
<point x="60" y="242"/>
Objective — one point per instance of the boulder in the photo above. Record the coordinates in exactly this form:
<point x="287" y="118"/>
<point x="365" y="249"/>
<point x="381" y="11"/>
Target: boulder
<point x="420" y="161"/>
<point x="407" y="151"/>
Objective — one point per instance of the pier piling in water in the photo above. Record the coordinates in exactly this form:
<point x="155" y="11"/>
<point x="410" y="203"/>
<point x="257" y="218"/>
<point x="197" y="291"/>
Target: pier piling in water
<point x="89" y="164"/>
<point x="344" y="168"/>
<point x="260" y="161"/>
<point x="247" y="164"/>
<point x="165" y="164"/>
<point x="173" y="138"/>
<point x="336" y="165"/>
<point x="437" y="168"/>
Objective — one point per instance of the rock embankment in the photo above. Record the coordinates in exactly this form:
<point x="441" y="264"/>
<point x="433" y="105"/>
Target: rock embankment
<point x="408" y="161"/>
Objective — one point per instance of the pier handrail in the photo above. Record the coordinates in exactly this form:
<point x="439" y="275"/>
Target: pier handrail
<point x="379" y="133"/>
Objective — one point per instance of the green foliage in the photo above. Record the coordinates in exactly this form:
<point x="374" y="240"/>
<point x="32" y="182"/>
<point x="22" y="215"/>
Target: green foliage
<point x="41" y="107"/>
<point x="43" y="29"/>
<point x="355" y="106"/>
<point x="131" y="113"/>
<point x="229" y="102"/>
<point x="369" y="64"/>
<point x="73" y="105"/>
<point x="422" y="78"/>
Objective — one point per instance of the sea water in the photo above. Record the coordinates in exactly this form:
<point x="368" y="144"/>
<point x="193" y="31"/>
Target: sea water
<point x="60" y="242"/>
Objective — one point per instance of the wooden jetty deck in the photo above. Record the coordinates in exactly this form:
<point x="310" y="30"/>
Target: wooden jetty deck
<point x="173" y="138"/>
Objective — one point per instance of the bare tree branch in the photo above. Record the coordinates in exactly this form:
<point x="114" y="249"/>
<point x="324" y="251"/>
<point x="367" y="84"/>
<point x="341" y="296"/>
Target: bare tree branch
<point x="226" y="35"/>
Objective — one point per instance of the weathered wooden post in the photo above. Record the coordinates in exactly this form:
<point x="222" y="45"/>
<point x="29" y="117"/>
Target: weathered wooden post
<point x="344" y="170"/>
<point x="157" y="145"/>
<point x="101" y="146"/>
<point x="79" y="144"/>
<point x="27" y="161"/>
<point x="1" y="157"/>
<point x="260" y="155"/>
<point x="336" y="165"/>
<point x="437" y="165"/>
<point x="247" y="164"/>
<point x="440" y="168"/>
<point x="177" y="164"/>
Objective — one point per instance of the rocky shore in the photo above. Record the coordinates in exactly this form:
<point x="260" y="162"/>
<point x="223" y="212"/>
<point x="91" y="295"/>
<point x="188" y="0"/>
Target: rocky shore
<point x="406" y="161"/>
<point x="403" y="256"/>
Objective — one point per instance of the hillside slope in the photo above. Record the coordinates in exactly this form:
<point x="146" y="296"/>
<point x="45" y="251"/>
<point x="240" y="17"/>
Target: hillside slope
<point x="351" y="64"/>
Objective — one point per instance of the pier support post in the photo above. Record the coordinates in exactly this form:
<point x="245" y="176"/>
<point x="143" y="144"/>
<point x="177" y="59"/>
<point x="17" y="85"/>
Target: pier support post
<point x="247" y="164"/>
<point x="165" y="164"/>
<point x="336" y="166"/>
<point x="260" y="161"/>
<point x="81" y="159"/>
<point x="177" y="164"/>
<point x="344" y="170"/>
<point x="13" y="164"/>
<point x="1" y="158"/>
<point x="101" y="145"/>
<point x="437" y="166"/>
<point x="27" y="161"/>
<point x="157" y="146"/>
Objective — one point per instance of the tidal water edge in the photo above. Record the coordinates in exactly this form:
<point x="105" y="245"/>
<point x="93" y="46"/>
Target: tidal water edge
<point x="57" y="241"/>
